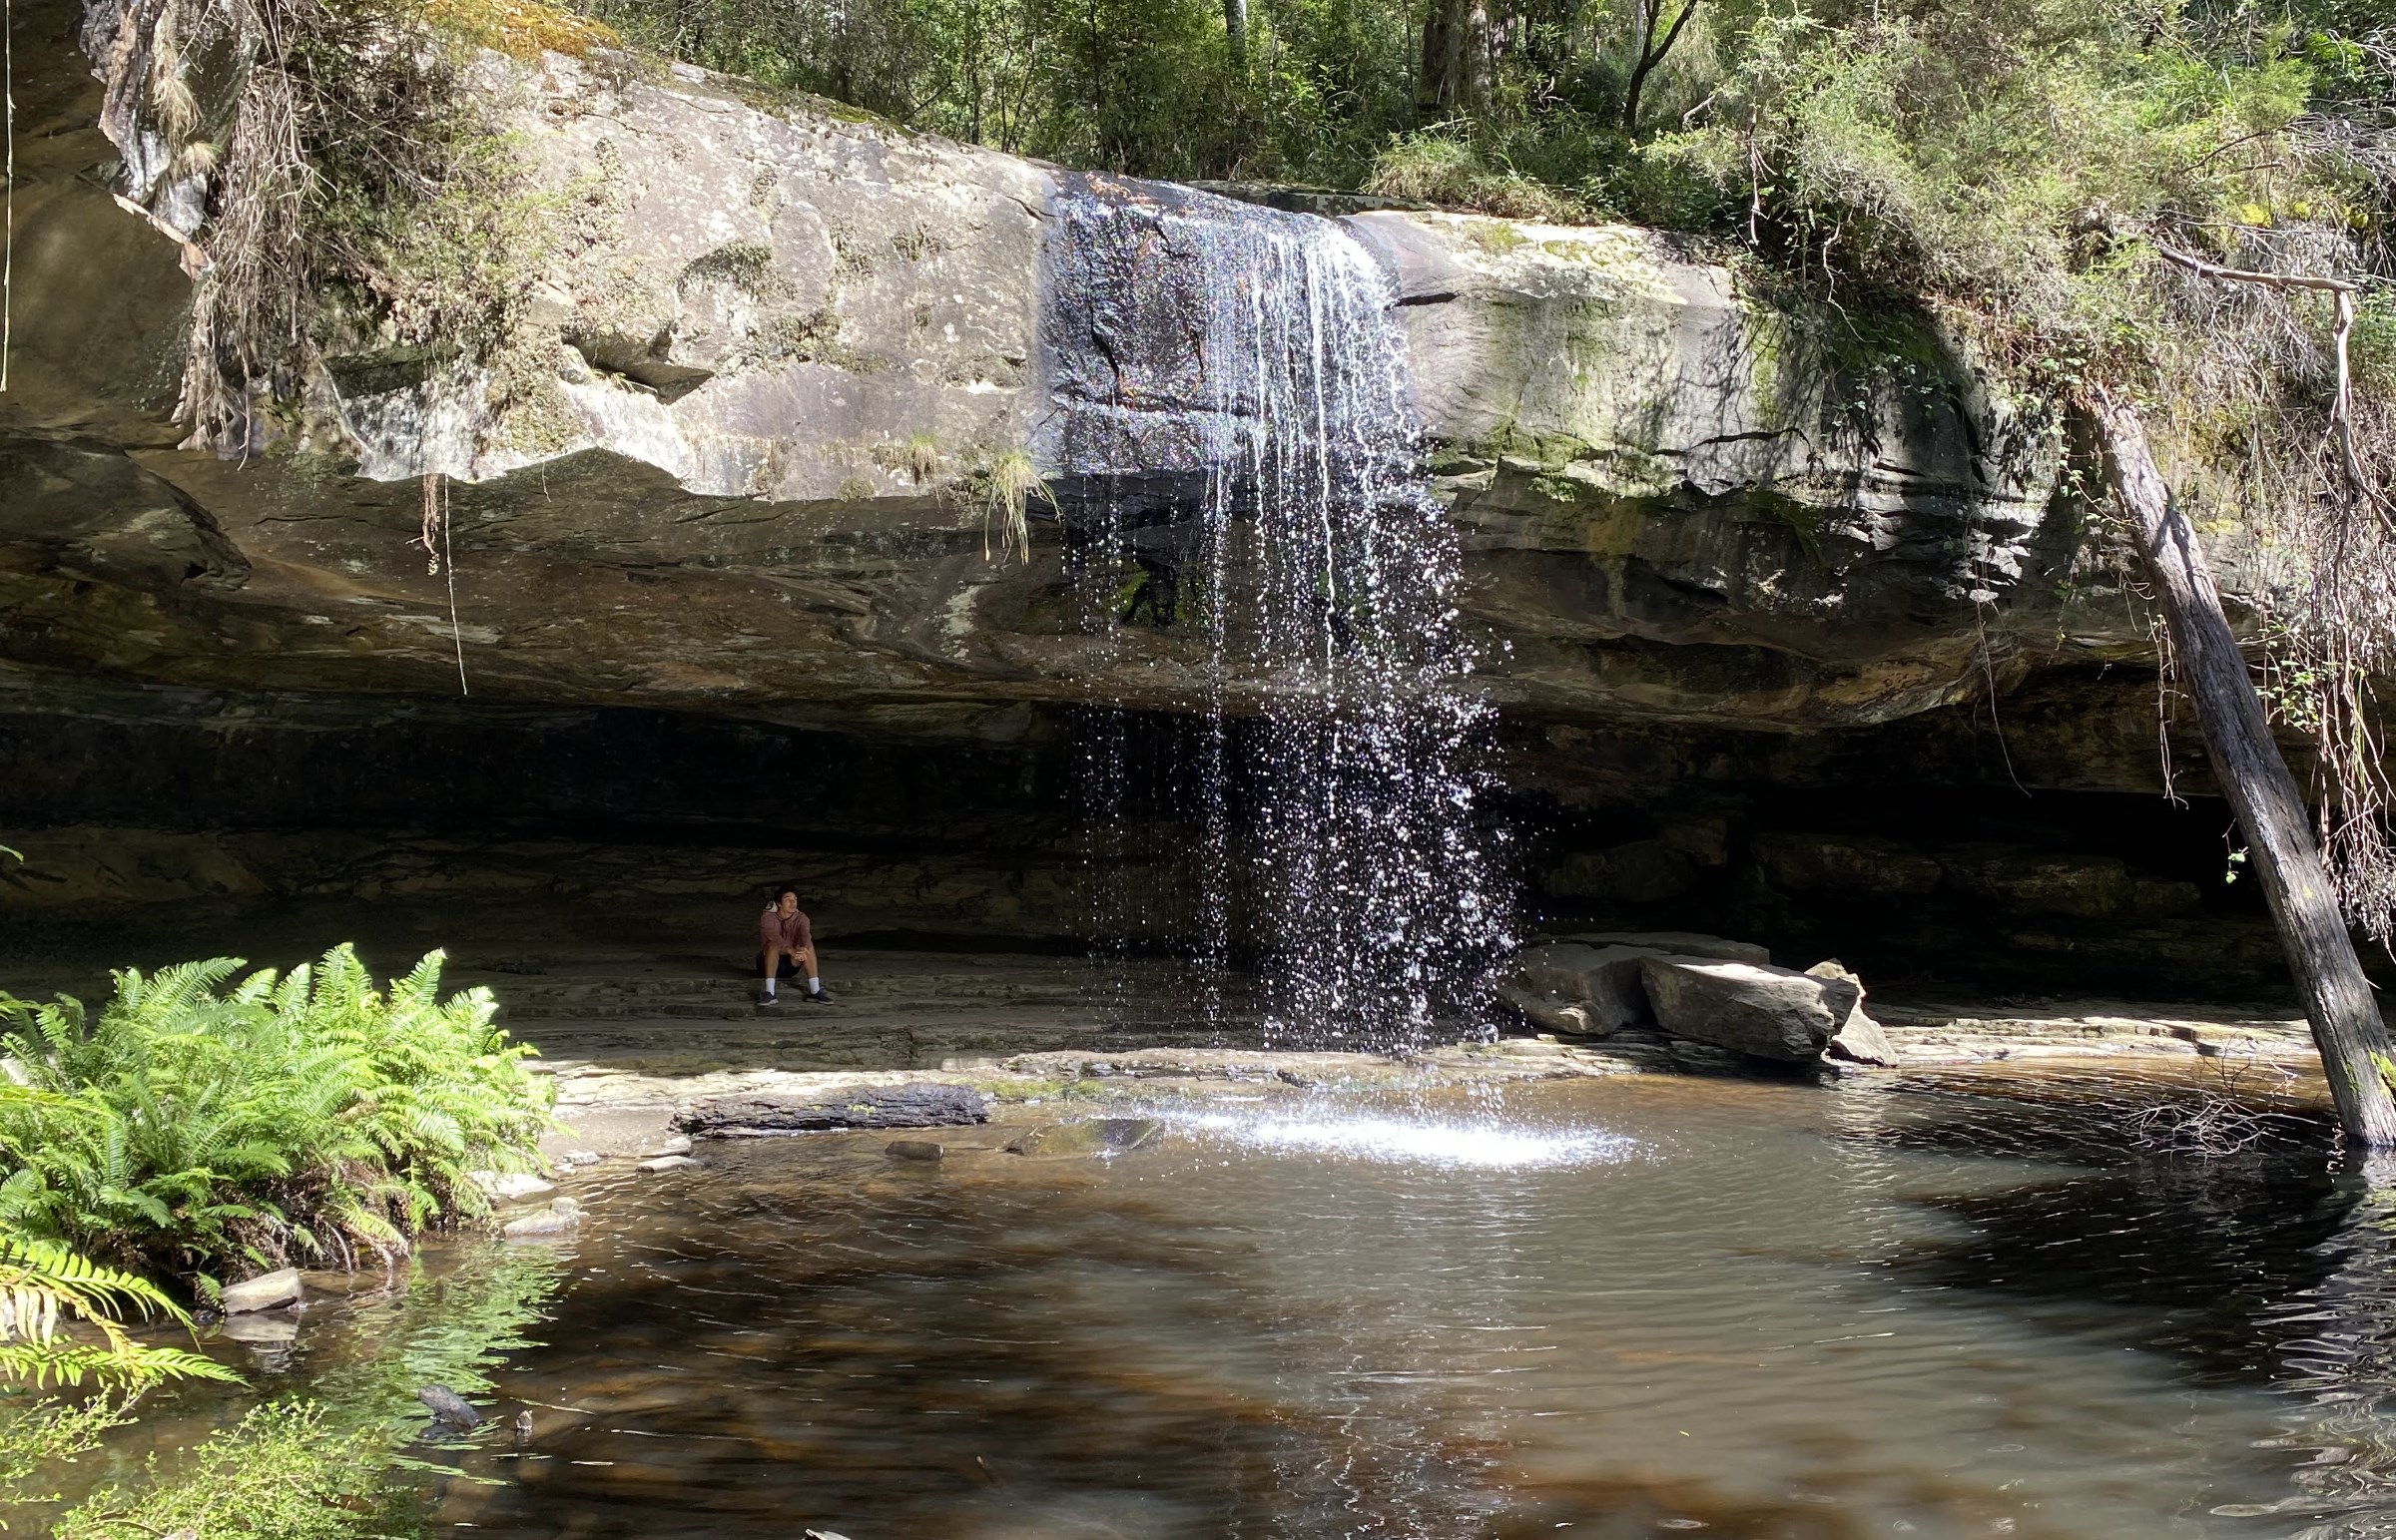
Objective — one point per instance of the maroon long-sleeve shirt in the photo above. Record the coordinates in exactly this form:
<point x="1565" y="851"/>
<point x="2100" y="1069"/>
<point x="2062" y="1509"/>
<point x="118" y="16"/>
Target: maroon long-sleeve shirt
<point x="775" y="935"/>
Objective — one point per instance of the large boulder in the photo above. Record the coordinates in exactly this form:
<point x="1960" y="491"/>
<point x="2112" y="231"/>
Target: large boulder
<point x="1585" y="991"/>
<point x="1679" y="943"/>
<point x="1772" y="1013"/>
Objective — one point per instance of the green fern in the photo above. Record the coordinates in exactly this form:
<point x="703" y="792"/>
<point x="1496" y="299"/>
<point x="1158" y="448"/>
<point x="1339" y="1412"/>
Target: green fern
<point x="204" y="1125"/>
<point x="43" y="1286"/>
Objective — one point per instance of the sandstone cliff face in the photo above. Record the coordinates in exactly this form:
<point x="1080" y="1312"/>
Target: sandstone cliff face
<point x="1754" y="591"/>
<point x="729" y="458"/>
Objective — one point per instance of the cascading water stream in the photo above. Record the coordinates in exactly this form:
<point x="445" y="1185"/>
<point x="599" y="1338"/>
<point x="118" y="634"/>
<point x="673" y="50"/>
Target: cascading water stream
<point x="1234" y="420"/>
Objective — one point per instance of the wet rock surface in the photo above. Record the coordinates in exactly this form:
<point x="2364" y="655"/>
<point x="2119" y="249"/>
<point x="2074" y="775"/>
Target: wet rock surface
<point x="1087" y="1137"/>
<point x="761" y="1116"/>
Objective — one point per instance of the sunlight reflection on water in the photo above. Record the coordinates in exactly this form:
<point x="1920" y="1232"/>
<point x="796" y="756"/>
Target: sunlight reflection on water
<point x="1451" y="1143"/>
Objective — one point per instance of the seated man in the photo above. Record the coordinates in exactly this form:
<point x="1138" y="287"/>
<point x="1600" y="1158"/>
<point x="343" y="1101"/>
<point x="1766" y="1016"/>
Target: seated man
<point x="786" y="947"/>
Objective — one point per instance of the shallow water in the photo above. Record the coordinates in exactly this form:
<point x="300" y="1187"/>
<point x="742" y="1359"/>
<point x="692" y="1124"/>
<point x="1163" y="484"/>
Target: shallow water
<point x="1935" y="1307"/>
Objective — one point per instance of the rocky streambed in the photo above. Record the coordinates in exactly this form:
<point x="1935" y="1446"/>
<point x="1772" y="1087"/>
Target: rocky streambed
<point x="625" y="1113"/>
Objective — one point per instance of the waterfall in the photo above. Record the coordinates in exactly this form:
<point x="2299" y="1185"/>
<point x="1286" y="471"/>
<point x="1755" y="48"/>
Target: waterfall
<point x="1240" y="473"/>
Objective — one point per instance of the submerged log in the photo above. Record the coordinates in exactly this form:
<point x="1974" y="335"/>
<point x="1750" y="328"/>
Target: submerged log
<point x="761" y="1116"/>
<point x="2355" y="1052"/>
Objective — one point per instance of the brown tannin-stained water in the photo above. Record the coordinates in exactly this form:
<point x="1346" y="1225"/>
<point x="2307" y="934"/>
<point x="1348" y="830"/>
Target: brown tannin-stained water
<point x="1936" y="1308"/>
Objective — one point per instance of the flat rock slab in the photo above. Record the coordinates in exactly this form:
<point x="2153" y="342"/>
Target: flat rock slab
<point x="765" y="1116"/>
<point x="261" y="1293"/>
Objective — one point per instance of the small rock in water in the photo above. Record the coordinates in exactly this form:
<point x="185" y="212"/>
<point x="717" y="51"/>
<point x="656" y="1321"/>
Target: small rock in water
<point x="523" y="1427"/>
<point x="913" y="1150"/>
<point x="679" y="1144"/>
<point x="261" y="1293"/>
<point x="512" y="1184"/>
<point x="826" y="1534"/>
<point x="448" y="1407"/>
<point x="564" y="1215"/>
<point x="666" y="1162"/>
<point x="1095" y="1135"/>
<point x="575" y="1158"/>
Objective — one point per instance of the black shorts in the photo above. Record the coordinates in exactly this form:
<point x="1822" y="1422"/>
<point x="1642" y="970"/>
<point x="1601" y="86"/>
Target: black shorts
<point x="789" y="969"/>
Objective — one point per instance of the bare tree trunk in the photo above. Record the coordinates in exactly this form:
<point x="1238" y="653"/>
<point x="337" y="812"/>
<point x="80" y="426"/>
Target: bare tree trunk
<point x="1235" y="33"/>
<point x="1651" y="53"/>
<point x="2353" y="1041"/>
<point x="1456" y="55"/>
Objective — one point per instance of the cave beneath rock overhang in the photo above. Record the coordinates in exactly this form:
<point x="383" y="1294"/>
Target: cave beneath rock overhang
<point x="1944" y="850"/>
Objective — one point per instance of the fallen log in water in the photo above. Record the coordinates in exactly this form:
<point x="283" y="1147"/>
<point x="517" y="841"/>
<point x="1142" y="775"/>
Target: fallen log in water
<point x="759" y="1116"/>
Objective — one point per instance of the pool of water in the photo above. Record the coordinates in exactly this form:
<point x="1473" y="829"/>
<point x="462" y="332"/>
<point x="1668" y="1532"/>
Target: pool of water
<point x="1919" y="1306"/>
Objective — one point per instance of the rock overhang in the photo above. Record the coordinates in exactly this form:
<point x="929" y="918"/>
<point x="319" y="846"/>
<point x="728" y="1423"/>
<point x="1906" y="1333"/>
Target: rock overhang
<point x="773" y="351"/>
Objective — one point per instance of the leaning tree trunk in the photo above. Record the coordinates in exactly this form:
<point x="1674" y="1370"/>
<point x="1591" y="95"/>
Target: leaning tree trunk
<point x="2355" y="1050"/>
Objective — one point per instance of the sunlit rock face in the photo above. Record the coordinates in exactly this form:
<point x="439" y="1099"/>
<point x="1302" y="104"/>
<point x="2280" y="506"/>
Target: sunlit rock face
<point x="1741" y="579"/>
<point x="732" y="454"/>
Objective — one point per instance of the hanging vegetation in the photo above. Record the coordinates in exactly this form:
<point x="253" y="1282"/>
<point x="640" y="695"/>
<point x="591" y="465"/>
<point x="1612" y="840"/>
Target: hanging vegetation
<point x="334" y="184"/>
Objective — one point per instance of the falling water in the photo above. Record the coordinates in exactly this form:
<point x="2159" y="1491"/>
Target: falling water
<point x="1234" y="423"/>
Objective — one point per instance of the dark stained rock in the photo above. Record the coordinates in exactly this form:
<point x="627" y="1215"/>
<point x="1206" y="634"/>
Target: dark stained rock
<point x="2042" y="882"/>
<point x="913" y="1150"/>
<point x="762" y="1115"/>
<point x="1644" y="872"/>
<point x="1844" y="864"/>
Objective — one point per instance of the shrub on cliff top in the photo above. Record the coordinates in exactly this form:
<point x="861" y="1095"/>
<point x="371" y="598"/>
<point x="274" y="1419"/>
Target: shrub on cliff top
<point x="201" y="1131"/>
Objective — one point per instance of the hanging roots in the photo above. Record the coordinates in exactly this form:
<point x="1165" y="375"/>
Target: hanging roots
<point x="323" y="164"/>
<point x="2292" y="452"/>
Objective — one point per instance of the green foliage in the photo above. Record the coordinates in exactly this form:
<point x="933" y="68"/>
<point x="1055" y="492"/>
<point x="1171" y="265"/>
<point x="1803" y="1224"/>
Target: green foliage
<point x="38" y="1437"/>
<point x="282" y="1473"/>
<point x="445" y="1328"/>
<point x="191" y="1128"/>
<point x="1444" y="166"/>
<point x="1145" y="86"/>
<point x="43" y="1286"/>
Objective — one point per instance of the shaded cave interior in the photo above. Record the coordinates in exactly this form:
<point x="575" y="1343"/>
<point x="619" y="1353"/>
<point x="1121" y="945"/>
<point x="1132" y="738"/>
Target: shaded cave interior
<point x="1924" y="854"/>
